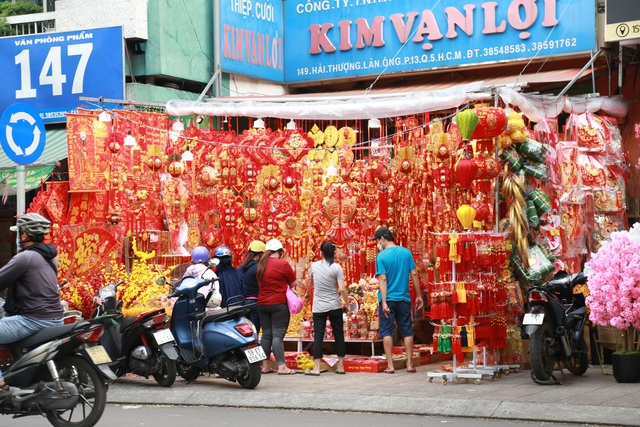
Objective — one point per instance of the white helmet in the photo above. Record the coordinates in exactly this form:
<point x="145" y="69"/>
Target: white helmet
<point x="273" y="245"/>
<point x="215" y="299"/>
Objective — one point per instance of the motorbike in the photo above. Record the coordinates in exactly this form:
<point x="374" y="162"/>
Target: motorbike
<point x="141" y="344"/>
<point x="58" y="372"/>
<point x="222" y="342"/>
<point x="555" y="322"/>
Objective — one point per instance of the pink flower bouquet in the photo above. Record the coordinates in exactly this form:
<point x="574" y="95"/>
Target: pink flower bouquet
<point x="614" y="281"/>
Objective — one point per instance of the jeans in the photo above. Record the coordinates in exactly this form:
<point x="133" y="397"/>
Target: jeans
<point x="254" y="314"/>
<point x="275" y="322"/>
<point x="14" y="328"/>
<point x="319" y="326"/>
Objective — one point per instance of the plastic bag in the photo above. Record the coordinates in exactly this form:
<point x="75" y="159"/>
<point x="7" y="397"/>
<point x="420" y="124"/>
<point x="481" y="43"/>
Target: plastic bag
<point x="294" y="301"/>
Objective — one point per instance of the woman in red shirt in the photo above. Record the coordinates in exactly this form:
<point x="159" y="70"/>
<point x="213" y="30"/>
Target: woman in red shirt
<point x="274" y="275"/>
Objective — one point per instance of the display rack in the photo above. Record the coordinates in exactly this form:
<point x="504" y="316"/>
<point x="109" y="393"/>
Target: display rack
<point x="456" y="372"/>
<point x="309" y="342"/>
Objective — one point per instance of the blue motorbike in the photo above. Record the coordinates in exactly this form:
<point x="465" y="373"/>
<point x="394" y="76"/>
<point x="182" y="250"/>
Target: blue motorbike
<point x="222" y="342"/>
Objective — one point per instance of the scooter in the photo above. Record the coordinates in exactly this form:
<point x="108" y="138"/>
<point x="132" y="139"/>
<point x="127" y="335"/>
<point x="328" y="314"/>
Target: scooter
<point x="555" y="322"/>
<point x="58" y="372"/>
<point x="222" y="342"/>
<point x="141" y="345"/>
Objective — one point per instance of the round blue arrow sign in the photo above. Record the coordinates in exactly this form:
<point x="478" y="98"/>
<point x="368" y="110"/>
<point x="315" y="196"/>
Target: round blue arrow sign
<point x="22" y="134"/>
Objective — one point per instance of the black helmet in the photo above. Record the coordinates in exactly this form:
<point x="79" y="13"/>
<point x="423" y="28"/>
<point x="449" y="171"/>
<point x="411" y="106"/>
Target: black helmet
<point x="33" y="224"/>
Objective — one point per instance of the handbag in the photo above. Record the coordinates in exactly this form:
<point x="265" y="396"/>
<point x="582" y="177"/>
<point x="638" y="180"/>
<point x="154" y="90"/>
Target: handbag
<point x="293" y="301"/>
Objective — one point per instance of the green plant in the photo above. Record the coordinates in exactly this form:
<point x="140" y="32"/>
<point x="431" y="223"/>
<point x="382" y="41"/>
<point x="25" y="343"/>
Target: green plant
<point x="19" y="8"/>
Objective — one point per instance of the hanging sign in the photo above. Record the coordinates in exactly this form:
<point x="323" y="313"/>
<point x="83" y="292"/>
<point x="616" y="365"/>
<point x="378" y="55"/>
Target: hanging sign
<point x="623" y="20"/>
<point x="50" y="71"/>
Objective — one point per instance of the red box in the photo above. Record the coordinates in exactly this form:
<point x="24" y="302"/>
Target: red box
<point x="364" y="364"/>
<point x="397" y="350"/>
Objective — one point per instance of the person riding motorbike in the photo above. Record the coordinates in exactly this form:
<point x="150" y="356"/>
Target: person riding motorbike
<point x="200" y="270"/>
<point x="231" y="280"/>
<point x="30" y="278"/>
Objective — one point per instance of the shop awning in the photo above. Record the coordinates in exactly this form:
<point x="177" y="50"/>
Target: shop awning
<point x="55" y="149"/>
<point x="432" y="95"/>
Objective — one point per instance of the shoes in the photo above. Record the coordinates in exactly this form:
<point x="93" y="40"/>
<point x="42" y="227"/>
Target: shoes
<point x="290" y="372"/>
<point x="389" y="371"/>
<point x="411" y="370"/>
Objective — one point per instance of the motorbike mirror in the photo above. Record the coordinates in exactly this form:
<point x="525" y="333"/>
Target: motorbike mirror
<point x="214" y="262"/>
<point x="161" y="281"/>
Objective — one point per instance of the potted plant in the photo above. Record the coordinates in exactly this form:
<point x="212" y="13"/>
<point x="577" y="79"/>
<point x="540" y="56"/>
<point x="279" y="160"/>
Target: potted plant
<point x="614" y="300"/>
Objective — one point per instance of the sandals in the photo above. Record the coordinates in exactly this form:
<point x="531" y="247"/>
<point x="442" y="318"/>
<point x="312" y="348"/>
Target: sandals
<point x="389" y="371"/>
<point x="290" y="372"/>
<point x="268" y="371"/>
<point x="411" y="370"/>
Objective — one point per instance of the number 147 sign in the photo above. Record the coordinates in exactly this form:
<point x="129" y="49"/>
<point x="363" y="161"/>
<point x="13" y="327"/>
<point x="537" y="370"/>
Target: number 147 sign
<point x="50" y="71"/>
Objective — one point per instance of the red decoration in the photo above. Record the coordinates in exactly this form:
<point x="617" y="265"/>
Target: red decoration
<point x="154" y="163"/>
<point x="491" y="122"/>
<point x="114" y="146"/>
<point x="176" y="168"/>
<point x="466" y="171"/>
<point x="482" y="210"/>
<point x="208" y="176"/>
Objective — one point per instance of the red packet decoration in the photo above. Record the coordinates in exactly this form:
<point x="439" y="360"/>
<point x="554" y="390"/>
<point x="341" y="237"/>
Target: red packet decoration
<point x="570" y="178"/>
<point x="592" y="170"/>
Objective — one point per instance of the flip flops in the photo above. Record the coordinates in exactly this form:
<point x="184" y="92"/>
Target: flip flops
<point x="389" y="371"/>
<point x="340" y="372"/>
<point x="313" y="374"/>
<point x="291" y="372"/>
<point x="411" y="370"/>
<point x="268" y="371"/>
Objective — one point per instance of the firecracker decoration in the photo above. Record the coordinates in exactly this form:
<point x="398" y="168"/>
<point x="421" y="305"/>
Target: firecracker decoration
<point x="513" y="192"/>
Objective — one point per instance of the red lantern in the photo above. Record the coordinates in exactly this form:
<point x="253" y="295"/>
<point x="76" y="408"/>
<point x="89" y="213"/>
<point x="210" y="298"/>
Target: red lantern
<point x="491" y="122"/>
<point x="406" y="166"/>
<point x="154" y="163"/>
<point x="488" y="167"/>
<point x="466" y="171"/>
<point x="482" y="210"/>
<point x="176" y="168"/>
<point x="250" y="214"/>
<point x="114" y="146"/>
<point x="270" y="183"/>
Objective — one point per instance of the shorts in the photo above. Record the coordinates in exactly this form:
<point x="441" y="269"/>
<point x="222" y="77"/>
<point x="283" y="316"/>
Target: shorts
<point x="401" y="314"/>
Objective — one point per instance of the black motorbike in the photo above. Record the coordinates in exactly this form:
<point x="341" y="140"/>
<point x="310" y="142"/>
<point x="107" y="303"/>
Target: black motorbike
<point x="141" y="344"/>
<point x="59" y="372"/>
<point x="555" y="322"/>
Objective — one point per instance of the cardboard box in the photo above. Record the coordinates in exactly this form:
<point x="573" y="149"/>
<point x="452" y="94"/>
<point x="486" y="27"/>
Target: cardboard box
<point x="526" y="356"/>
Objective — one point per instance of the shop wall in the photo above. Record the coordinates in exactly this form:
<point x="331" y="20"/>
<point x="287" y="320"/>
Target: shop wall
<point x="73" y="15"/>
<point x="180" y="42"/>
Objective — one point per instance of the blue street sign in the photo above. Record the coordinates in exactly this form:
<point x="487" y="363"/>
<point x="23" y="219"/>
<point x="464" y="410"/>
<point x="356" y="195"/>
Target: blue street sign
<point x="22" y="134"/>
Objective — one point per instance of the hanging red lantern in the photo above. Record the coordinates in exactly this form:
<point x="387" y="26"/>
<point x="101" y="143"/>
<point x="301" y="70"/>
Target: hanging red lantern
<point x="466" y="120"/>
<point x="154" y="163"/>
<point x="406" y="166"/>
<point x="488" y="167"/>
<point x="482" y="210"/>
<point x="491" y="122"/>
<point x="114" y="146"/>
<point x="270" y="183"/>
<point x="466" y="171"/>
<point x="176" y="168"/>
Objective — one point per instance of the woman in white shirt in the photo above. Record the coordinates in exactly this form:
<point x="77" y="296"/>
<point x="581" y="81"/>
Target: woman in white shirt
<point x="327" y="278"/>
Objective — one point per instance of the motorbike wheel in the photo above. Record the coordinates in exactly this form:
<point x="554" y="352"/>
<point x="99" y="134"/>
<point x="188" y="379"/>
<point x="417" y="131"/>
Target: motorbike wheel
<point x="92" y="391"/>
<point x="578" y="363"/>
<point x="167" y="376"/>
<point x="187" y="372"/>
<point x="252" y="375"/>
<point x="543" y="353"/>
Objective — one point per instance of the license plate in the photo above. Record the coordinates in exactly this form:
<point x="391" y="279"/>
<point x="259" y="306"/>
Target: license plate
<point x="98" y="355"/>
<point x="255" y="354"/>
<point x="163" y="336"/>
<point x="533" y="319"/>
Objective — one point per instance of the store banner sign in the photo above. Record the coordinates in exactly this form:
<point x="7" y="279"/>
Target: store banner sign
<point x="251" y="38"/>
<point x="50" y="71"/>
<point x="333" y="39"/>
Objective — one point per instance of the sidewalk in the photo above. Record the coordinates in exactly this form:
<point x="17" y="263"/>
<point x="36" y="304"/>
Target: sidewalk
<point x="589" y="399"/>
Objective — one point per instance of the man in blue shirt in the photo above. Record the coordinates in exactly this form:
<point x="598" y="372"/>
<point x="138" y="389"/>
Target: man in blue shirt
<point x="394" y="266"/>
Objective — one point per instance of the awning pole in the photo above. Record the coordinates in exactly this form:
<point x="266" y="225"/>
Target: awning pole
<point x="213" y="79"/>
<point x="575" y="79"/>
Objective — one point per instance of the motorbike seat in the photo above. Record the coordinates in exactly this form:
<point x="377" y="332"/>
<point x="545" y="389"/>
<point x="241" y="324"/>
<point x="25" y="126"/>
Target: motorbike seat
<point x="224" y="315"/>
<point x="564" y="279"/>
<point x="44" y="335"/>
<point x="126" y="321"/>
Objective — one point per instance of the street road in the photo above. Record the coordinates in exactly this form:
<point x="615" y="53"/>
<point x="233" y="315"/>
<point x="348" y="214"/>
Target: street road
<point x="141" y="416"/>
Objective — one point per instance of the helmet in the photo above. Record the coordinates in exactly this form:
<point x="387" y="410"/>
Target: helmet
<point x="221" y="251"/>
<point x="199" y="254"/>
<point x="257" y="246"/>
<point x="273" y="245"/>
<point x="32" y="224"/>
<point x="215" y="299"/>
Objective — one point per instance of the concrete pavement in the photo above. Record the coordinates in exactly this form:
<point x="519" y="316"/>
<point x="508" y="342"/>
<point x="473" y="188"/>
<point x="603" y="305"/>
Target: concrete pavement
<point x="589" y="399"/>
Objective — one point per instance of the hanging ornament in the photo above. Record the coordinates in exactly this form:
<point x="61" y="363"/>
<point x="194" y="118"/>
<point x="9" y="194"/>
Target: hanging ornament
<point x="154" y="163"/>
<point x="208" y="176"/>
<point x="491" y="122"/>
<point x="466" y="171"/>
<point x="466" y="214"/>
<point x="482" y="210"/>
<point x="176" y="168"/>
<point x="466" y="120"/>
<point x="250" y="214"/>
<point x="114" y="146"/>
